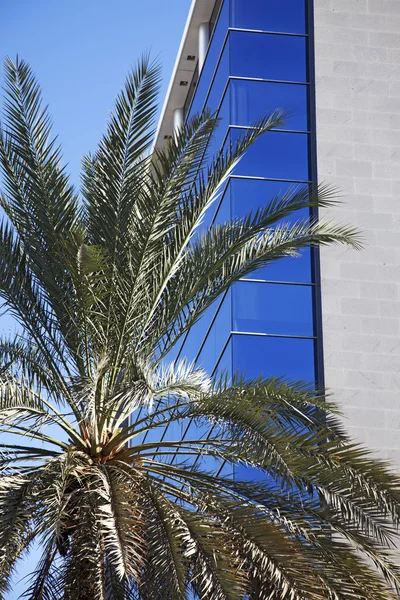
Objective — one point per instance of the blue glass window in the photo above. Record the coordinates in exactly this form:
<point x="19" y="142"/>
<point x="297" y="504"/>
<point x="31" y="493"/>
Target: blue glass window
<point x="292" y="269"/>
<point x="219" y="211"/>
<point x="273" y="356"/>
<point x="252" y="100"/>
<point x="272" y="308"/>
<point x="216" y="337"/>
<point x="197" y="333"/>
<point x="219" y="82"/>
<point x="268" y="56"/>
<point x="288" y="16"/>
<point x="248" y="195"/>
<point x="224" y="209"/>
<point x="225" y="363"/>
<point x="172" y="431"/>
<point x="173" y="353"/>
<point x="212" y="57"/>
<point x="275" y="154"/>
<point x="220" y="132"/>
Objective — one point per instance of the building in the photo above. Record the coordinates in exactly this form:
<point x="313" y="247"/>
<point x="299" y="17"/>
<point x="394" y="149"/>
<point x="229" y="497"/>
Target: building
<point x="331" y="316"/>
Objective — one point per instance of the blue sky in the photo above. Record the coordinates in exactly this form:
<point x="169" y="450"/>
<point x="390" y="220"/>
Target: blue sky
<point x="80" y="51"/>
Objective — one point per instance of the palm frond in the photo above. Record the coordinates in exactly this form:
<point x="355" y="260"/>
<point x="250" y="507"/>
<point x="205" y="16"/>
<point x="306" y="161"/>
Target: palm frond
<point x="40" y="202"/>
<point x="113" y="178"/>
<point x="15" y="523"/>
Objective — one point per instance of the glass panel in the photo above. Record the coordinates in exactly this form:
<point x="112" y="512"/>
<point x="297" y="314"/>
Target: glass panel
<point x="248" y="195"/>
<point x="273" y="308"/>
<point x="220" y="81"/>
<point x="212" y="153"/>
<point x="172" y="431"/>
<point x="224" y="211"/>
<point x="210" y="64"/>
<point x="225" y="363"/>
<point x="292" y="269"/>
<point x="220" y="133"/>
<point x="252" y="100"/>
<point x="173" y="353"/>
<point x="275" y="154"/>
<point x="216" y="337"/>
<point x="197" y="333"/>
<point x="268" y="56"/>
<point x="272" y="356"/>
<point x="219" y="209"/>
<point x="273" y="15"/>
<point x="195" y="431"/>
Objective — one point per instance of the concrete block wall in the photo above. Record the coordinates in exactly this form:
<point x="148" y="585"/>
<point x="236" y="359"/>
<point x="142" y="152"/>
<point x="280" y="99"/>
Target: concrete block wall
<point x="358" y="134"/>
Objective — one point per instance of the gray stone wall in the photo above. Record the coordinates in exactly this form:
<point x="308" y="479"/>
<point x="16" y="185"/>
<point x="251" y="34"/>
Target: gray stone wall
<point x="358" y="133"/>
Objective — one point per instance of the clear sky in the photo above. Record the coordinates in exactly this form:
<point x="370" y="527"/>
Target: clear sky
<point x="81" y="51"/>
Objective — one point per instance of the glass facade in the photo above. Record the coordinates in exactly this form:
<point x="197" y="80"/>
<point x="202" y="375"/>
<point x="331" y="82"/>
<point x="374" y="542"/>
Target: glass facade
<point x="257" y="62"/>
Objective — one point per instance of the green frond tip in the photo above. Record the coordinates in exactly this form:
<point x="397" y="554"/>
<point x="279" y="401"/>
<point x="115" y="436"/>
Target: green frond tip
<point x="327" y="232"/>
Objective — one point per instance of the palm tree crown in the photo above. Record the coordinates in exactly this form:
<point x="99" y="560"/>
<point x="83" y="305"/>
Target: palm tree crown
<point x="102" y="288"/>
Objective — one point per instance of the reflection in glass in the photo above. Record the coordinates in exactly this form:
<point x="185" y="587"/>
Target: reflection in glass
<point x="292" y="269"/>
<point x="253" y="100"/>
<point x="272" y="308"/>
<point x="224" y="209"/>
<point x="288" y="16"/>
<point x="197" y="332"/>
<point x="247" y="195"/>
<point x="268" y="56"/>
<point x="273" y="357"/>
<point x="219" y="83"/>
<point x="220" y="133"/>
<point x="224" y="365"/>
<point x="216" y="337"/>
<point x="275" y="154"/>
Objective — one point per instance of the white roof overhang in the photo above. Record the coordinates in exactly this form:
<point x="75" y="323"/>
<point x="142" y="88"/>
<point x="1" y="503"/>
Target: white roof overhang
<point x="200" y="12"/>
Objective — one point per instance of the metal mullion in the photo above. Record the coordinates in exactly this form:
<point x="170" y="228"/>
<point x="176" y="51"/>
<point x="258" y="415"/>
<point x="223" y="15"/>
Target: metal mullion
<point x="221" y="353"/>
<point x="267" y="80"/>
<point x="296" y="131"/>
<point x="268" y="32"/>
<point x="211" y="326"/>
<point x="275" y="282"/>
<point x="215" y="15"/>
<point x="274" y="335"/>
<point x="259" y="178"/>
<point x="313" y="166"/>
<point x="213" y="319"/>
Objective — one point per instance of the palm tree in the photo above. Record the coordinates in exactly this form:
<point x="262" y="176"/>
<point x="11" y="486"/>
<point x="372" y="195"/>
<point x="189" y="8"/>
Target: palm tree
<point x="102" y="289"/>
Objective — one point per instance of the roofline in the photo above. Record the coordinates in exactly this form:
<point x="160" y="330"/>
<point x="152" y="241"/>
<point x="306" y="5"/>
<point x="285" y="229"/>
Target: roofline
<point x="200" y="12"/>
